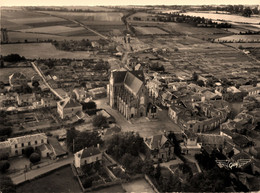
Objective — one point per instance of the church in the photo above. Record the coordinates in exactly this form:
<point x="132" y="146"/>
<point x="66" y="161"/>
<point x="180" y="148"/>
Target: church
<point x="127" y="93"/>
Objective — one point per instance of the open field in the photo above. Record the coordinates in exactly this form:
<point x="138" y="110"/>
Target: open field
<point x="244" y="45"/>
<point x="34" y="37"/>
<point x="226" y="17"/>
<point x="242" y="38"/>
<point x="6" y="72"/>
<point x="92" y="16"/>
<point x="150" y="30"/>
<point x="40" y="50"/>
<point x="53" y="29"/>
<point x="61" y="180"/>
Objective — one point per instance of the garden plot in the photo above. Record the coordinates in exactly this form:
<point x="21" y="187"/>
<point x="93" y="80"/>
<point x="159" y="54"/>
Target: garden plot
<point x="150" y="30"/>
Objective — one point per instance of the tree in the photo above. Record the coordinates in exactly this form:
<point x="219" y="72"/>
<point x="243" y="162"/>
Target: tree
<point x="6" y="185"/>
<point x="28" y="151"/>
<point x="4" y="166"/>
<point x="5" y="131"/>
<point x="99" y="121"/>
<point x="247" y="12"/>
<point x="4" y="156"/>
<point x="89" y="105"/>
<point x="86" y="139"/>
<point x="148" y="167"/>
<point x="200" y="83"/>
<point x="87" y="182"/>
<point x="195" y="76"/>
<point x="13" y="58"/>
<point x="35" y="83"/>
<point x="34" y="158"/>
<point x="157" y="174"/>
<point x="126" y="160"/>
<point x="71" y="135"/>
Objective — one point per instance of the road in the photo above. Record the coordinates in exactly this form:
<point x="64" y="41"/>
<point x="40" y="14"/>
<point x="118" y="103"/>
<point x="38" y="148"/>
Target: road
<point x="37" y="172"/>
<point x="40" y="73"/>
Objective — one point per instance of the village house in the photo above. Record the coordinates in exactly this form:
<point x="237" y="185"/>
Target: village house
<point x="17" y="80"/>
<point x="87" y="156"/>
<point x="250" y="89"/>
<point x="80" y="94"/>
<point x="159" y="147"/>
<point x="110" y="119"/>
<point x="190" y="144"/>
<point x="97" y="93"/>
<point x="25" y="99"/>
<point x="213" y="140"/>
<point x="18" y="144"/>
<point x="68" y="107"/>
<point x="48" y="102"/>
<point x="5" y="148"/>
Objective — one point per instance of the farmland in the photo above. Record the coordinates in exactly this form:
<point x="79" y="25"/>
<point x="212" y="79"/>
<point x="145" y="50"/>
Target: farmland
<point x="150" y="30"/>
<point x="41" y="50"/>
<point x="241" y="38"/>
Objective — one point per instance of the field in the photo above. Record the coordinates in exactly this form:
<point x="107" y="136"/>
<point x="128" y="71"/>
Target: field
<point x="242" y="38"/>
<point x="61" y="180"/>
<point x="40" y="50"/>
<point x="150" y="30"/>
<point x="226" y="17"/>
<point x="57" y="29"/>
<point x="6" y="72"/>
<point x="244" y="45"/>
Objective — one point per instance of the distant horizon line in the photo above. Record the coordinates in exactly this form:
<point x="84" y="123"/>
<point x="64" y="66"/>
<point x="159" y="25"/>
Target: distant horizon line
<point x="124" y="5"/>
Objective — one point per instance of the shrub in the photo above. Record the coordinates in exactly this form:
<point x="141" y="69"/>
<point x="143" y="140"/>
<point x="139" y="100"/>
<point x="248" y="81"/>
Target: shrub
<point x="28" y="151"/>
<point x="4" y="156"/>
<point x="87" y="182"/>
<point x="99" y="120"/>
<point x="4" y="166"/>
<point x="35" y="157"/>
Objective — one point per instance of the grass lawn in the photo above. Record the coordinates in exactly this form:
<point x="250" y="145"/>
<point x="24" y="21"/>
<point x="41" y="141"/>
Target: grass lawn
<point x="61" y="180"/>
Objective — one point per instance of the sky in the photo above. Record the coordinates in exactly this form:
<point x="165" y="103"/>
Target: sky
<point x="123" y="2"/>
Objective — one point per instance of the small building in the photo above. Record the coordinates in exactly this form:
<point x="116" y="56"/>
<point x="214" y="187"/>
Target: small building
<point x="27" y="99"/>
<point x="99" y="92"/>
<point x="56" y="148"/>
<point x="190" y="144"/>
<point x="110" y="118"/>
<point x="68" y="107"/>
<point x="5" y="148"/>
<point x="18" y="144"/>
<point x="45" y="150"/>
<point x="80" y="94"/>
<point x="48" y="102"/>
<point x="87" y="156"/>
<point x="159" y="147"/>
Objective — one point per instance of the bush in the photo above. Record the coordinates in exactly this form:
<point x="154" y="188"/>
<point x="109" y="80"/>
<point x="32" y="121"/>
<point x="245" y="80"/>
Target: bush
<point x="87" y="182"/>
<point x="4" y="166"/>
<point x="4" y="156"/>
<point x="34" y="158"/>
<point x="28" y="151"/>
<point x="99" y="121"/>
<point x="6" y="185"/>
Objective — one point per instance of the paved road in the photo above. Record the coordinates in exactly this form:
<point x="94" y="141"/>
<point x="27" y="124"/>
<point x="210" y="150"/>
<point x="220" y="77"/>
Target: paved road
<point x="37" y="172"/>
<point x="145" y="127"/>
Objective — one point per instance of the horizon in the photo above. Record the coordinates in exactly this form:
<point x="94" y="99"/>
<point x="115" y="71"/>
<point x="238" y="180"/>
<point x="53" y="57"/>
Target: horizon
<point x="14" y="3"/>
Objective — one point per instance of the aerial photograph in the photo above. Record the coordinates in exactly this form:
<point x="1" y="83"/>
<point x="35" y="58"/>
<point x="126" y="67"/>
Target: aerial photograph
<point x="129" y="96"/>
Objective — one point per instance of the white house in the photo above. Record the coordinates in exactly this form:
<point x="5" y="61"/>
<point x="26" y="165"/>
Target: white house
<point x="87" y="156"/>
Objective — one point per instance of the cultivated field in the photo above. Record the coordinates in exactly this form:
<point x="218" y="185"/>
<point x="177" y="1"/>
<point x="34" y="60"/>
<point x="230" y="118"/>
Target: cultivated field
<point x="57" y="29"/>
<point x="40" y="50"/>
<point x="150" y="30"/>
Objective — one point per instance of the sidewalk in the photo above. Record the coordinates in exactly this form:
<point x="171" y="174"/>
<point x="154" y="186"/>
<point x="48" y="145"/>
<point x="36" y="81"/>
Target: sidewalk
<point x="37" y="172"/>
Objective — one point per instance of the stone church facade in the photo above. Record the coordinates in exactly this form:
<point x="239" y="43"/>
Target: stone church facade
<point x="128" y="94"/>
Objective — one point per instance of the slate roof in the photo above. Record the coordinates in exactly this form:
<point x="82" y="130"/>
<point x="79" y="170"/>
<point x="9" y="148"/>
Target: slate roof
<point x="27" y="138"/>
<point x="87" y="152"/>
<point x="211" y="139"/>
<point x="119" y="76"/>
<point x="57" y="149"/>
<point x="69" y="103"/>
<point x="132" y="82"/>
<point x="156" y="141"/>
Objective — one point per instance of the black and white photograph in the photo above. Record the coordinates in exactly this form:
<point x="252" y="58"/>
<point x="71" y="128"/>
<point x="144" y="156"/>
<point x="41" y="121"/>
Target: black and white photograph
<point x="129" y="96"/>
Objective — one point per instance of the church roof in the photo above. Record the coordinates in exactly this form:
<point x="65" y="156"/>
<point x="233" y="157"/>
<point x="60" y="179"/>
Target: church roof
<point x="132" y="82"/>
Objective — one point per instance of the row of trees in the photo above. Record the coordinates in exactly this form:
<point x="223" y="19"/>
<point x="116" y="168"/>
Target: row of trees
<point x="78" y="140"/>
<point x="73" y="45"/>
<point x="12" y="58"/>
